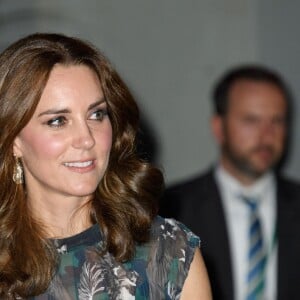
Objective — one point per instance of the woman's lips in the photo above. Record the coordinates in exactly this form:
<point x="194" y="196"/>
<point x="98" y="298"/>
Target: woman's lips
<point x="80" y="166"/>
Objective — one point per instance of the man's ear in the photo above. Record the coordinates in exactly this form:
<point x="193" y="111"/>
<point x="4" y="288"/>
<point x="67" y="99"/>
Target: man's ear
<point x="217" y="127"/>
<point x="17" y="147"/>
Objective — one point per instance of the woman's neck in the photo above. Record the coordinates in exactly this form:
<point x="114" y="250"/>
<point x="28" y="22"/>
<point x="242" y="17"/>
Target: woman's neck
<point x="62" y="218"/>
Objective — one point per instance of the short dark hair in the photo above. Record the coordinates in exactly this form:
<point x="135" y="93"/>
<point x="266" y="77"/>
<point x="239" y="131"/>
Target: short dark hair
<point x="246" y="72"/>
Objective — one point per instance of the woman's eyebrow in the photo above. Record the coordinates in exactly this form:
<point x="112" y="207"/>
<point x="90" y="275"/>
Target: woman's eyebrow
<point x="54" y="111"/>
<point x="93" y="105"/>
<point x="66" y="110"/>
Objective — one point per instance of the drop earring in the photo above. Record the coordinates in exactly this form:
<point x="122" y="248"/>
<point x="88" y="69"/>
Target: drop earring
<point x="18" y="172"/>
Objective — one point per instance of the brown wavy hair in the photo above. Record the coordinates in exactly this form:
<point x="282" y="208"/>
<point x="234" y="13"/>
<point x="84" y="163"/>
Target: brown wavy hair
<point x="125" y="202"/>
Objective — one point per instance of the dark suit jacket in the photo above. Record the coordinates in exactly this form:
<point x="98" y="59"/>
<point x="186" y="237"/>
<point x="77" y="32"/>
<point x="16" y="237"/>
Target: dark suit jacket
<point x="198" y="205"/>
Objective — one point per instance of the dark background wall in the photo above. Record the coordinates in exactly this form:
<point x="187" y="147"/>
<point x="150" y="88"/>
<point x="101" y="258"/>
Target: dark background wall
<point x="170" y="53"/>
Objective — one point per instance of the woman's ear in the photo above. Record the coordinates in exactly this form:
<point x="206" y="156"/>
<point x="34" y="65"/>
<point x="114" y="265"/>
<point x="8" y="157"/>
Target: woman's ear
<point x="17" y="147"/>
<point x="217" y="127"/>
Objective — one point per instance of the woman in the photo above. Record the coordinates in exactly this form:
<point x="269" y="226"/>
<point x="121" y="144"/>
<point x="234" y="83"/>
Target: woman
<point x="77" y="206"/>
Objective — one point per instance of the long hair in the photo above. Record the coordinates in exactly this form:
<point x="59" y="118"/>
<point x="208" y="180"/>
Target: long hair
<point x="125" y="201"/>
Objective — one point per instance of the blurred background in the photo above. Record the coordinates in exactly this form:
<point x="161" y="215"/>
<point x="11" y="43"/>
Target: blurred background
<point x="170" y="53"/>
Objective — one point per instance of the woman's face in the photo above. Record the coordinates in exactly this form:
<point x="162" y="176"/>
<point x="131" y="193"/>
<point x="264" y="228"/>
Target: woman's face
<point x="65" y="146"/>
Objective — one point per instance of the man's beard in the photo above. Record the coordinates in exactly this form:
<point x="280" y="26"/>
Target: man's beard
<point x="243" y="163"/>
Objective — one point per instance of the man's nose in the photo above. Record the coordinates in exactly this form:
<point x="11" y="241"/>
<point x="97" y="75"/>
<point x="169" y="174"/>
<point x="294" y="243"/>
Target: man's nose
<point x="268" y="131"/>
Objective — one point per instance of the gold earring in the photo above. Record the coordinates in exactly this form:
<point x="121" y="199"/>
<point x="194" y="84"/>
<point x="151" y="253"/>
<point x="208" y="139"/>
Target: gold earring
<point x="18" y="172"/>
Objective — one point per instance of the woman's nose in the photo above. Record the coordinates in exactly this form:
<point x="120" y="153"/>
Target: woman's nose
<point x="83" y="137"/>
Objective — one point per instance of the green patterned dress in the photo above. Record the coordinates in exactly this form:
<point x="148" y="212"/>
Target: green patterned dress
<point x="157" y="271"/>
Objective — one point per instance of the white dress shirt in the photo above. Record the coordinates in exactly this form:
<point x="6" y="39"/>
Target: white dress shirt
<point x="237" y="219"/>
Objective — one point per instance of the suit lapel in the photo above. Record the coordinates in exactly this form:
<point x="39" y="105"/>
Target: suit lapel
<point x="218" y="250"/>
<point x="288" y="208"/>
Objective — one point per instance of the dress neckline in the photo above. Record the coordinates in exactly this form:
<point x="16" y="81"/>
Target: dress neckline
<point x="88" y="237"/>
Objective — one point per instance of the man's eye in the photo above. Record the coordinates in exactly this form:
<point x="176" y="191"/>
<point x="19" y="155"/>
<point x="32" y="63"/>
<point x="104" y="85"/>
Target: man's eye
<point x="279" y="121"/>
<point x="251" y="120"/>
<point x="57" y="122"/>
<point x="99" y="114"/>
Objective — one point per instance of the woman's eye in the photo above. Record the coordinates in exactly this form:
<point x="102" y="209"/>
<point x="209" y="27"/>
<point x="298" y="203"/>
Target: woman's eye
<point x="57" y="122"/>
<point x="99" y="114"/>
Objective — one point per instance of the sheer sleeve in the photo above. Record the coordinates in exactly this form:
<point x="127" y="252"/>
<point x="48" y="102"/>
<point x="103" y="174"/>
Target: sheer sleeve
<point x="171" y="254"/>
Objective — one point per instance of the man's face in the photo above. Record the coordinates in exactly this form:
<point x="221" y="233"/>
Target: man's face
<point x="252" y="133"/>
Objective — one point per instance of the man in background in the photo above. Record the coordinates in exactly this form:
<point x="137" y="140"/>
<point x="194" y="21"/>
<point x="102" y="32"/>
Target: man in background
<point x="246" y="214"/>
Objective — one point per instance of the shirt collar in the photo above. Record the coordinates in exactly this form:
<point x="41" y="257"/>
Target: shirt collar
<point x="257" y="189"/>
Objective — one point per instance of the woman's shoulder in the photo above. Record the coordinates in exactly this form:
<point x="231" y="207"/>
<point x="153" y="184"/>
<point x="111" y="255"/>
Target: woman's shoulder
<point x="167" y="229"/>
<point x="167" y="257"/>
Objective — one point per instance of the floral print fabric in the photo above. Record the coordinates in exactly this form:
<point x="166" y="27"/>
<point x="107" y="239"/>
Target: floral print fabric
<point x="157" y="271"/>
